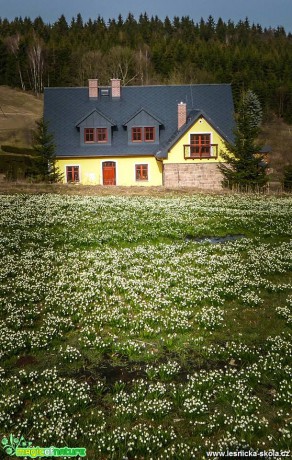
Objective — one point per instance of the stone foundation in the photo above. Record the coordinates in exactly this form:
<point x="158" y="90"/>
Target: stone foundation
<point x="201" y="175"/>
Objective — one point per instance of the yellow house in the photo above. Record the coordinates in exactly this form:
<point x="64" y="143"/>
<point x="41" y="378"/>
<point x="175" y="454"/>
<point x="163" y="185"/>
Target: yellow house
<point x="140" y="135"/>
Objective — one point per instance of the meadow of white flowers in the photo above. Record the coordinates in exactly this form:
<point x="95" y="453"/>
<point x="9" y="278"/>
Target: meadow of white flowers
<point x="123" y="333"/>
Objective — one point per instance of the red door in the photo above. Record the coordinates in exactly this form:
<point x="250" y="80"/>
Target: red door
<point x="109" y="173"/>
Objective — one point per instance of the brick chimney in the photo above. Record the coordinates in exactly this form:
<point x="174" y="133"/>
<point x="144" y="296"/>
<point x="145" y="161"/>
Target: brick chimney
<point x="181" y="114"/>
<point x="116" y="88"/>
<point x="93" y="88"/>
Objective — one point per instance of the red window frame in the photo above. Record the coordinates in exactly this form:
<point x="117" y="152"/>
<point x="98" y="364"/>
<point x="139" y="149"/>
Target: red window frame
<point x="95" y="135"/>
<point x="146" y="134"/>
<point x="72" y="174"/>
<point x="141" y="172"/>
<point x="89" y="135"/>
<point x="149" y="134"/>
<point x="200" y="145"/>
<point x="101" y="135"/>
<point x="137" y="134"/>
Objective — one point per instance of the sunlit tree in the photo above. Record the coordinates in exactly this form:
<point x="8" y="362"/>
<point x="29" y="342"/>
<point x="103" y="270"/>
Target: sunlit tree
<point x="244" y="165"/>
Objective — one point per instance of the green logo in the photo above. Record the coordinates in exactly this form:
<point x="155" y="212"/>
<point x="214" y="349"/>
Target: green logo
<point x="21" y="448"/>
<point x="11" y="444"/>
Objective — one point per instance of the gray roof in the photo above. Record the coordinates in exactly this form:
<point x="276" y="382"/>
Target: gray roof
<point x="65" y="108"/>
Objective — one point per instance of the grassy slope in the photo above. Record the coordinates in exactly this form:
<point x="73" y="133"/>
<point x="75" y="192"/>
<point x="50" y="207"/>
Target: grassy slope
<point x="18" y="113"/>
<point x="278" y="135"/>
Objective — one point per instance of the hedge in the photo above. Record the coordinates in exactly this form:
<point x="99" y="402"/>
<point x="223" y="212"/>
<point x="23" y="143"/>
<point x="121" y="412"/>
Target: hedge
<point x="18" y="150"/>
<point x="16" y="166"/>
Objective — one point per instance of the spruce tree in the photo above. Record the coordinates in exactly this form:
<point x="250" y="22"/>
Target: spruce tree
<point x="44" y="147"/>
<point x="244" y="165"/>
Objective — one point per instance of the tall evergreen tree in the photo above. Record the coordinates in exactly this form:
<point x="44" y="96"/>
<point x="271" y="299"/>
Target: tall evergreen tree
<point x="244" y="166"/>
<point x="43" y="144"/>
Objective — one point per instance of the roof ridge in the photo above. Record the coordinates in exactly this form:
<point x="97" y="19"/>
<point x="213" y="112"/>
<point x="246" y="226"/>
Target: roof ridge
<point x="185" y="85"/>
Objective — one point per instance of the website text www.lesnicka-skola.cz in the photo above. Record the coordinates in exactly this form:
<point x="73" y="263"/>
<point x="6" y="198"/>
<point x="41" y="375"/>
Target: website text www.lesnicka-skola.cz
<point x="250" y="453"/>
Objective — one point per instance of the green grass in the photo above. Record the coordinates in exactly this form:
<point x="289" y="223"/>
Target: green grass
<point x="122" y="336"/>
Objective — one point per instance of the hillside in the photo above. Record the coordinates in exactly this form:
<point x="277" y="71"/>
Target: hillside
<point x="278" y="135"/>
<point x="18" y="113"/>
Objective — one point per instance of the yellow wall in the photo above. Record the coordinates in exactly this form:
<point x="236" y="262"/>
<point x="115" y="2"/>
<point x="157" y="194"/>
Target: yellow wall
<point x="201" y="126"/>
<point x="90" y="170"/>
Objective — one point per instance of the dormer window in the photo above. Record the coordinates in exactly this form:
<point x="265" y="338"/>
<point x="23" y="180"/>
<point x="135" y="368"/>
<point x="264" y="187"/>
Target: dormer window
<point x="101" y="135"/>
<point x="143" y="127"/>
<point x="146" y="134"/>
<point x="95" y="129"/>
<point x="95" y="135"/>
<point x="137" y="134"/>
<point x="149" y="134"/>
<point x="88" y="135"/>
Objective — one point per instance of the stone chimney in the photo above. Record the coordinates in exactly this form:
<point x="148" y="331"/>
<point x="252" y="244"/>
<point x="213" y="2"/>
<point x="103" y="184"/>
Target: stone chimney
<point x="116" y="88"/>
<point x="93" y="88"/>
<point x="181" y="114"/>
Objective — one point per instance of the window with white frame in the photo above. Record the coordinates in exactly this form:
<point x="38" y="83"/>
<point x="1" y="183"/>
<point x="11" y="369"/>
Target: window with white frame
<point x="141" y="172"/>
<point x="72" y="174"/>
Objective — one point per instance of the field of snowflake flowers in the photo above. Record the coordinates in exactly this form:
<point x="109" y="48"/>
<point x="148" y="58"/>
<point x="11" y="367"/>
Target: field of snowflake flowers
<point x="127" y="330"/>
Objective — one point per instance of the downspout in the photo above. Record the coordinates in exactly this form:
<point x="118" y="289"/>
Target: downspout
<point x="160" y="161"/>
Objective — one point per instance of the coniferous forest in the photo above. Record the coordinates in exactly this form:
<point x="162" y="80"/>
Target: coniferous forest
<point x="149" y="50"/>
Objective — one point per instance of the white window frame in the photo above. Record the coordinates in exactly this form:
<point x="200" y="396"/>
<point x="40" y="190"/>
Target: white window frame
<point x="70" y="165"/>
<point x="141" y="163"/>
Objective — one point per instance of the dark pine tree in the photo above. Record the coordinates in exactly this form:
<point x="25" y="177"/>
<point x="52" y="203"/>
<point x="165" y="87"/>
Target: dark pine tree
<point x="244" y="166"/>
<point x="44" y="147"/>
